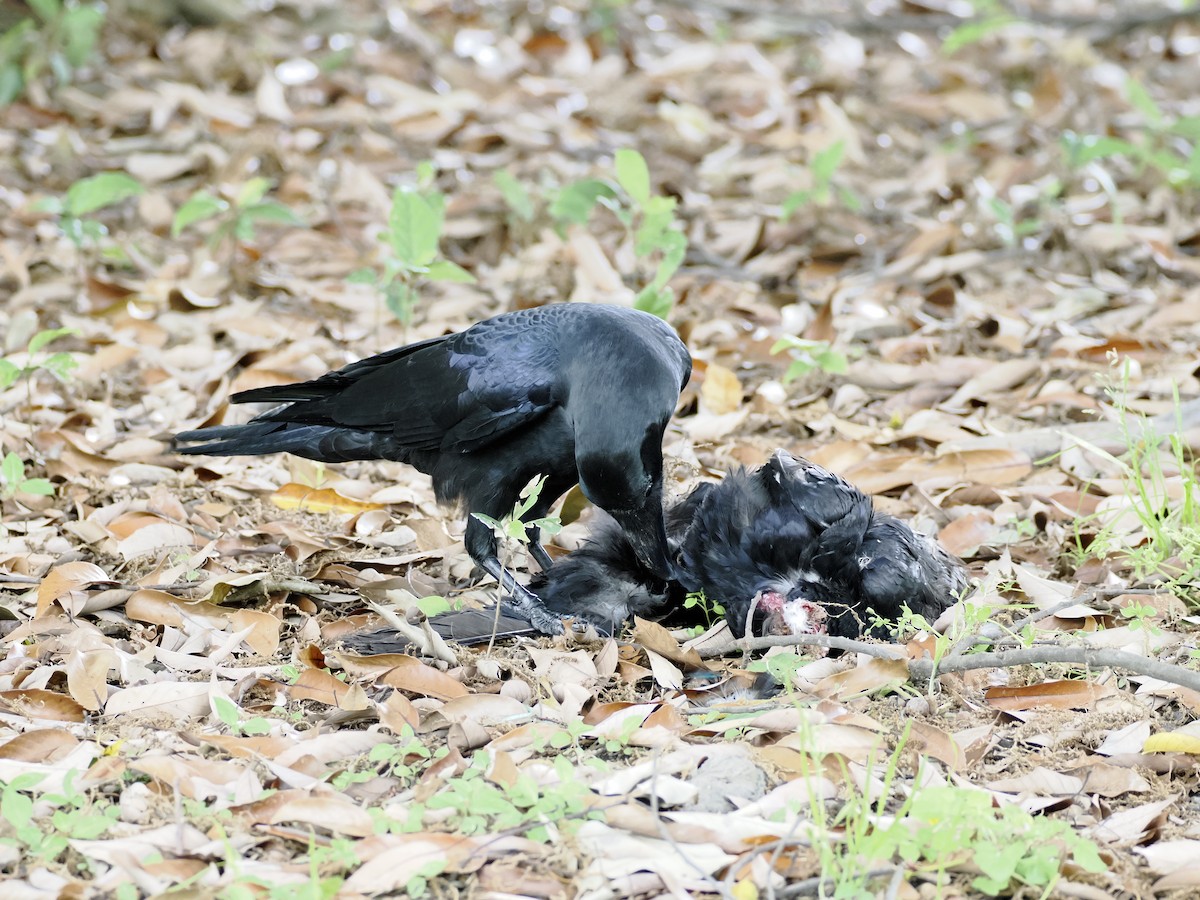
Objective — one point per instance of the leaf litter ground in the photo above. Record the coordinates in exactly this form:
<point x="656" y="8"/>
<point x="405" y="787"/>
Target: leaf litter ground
<point x="173" y="695"/>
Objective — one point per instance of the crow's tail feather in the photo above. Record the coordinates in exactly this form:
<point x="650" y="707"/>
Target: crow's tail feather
<point x="320" y="442"/>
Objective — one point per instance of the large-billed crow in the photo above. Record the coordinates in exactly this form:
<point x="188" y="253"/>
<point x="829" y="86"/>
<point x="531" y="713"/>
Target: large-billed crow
<point x="798" y="545"/>
<point x="577" y="392"/>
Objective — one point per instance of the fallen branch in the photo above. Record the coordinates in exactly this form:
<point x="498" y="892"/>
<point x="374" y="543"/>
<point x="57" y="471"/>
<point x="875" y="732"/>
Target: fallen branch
<point x="1100" y="658"/>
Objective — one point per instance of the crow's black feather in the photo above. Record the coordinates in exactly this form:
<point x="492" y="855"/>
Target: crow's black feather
<point x="577" y="392"/>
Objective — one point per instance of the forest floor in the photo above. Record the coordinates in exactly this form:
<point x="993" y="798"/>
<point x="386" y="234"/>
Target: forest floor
<point x="976" y="235"/>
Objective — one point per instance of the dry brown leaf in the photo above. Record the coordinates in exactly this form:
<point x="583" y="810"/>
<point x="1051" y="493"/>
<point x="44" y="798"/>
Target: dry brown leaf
<point x="872" y="675"/>
<point x="40" y="704"/>
<point x="654" y="637"/>
<point x="43" y="745"/>
<point x="1056" y="694"/>
<point x="321" y="686"/>
<point x="326" y="810"/>
<point x="721" y="391"/>
<point x="67" y="579"/>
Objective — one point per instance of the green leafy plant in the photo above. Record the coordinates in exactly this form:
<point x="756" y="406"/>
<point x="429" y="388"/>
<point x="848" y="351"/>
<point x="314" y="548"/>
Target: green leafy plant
<point x="231" y="715"/>
<point x="481" y="806"/>
<point x="712" y="610"/>
<point x="12" y="473"/>
<point x="658" y="237"/>
<point x="43" y="837"/>
<point x="88" y="196"/>
<point x="516" y="195"/>
<point x="824" y="188"/>
<point x="513" y="527"/>
<point x="573" y="203"/>
<point x="237" y="219"/>
<point x="60" y="364"/>
<point x="809" y="356"/>
<point x="60" y="38"/>
<point x="954" y="825"/>
<point x="1169" y="145"/>
<point x="411" y="240"/>
<point x="937" y="829"/>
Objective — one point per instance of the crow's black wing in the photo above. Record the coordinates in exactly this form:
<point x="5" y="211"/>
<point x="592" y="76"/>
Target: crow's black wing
<point x="456" y="393"/>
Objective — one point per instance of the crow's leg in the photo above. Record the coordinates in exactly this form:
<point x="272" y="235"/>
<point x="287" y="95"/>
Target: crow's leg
<point x="482" y="546"/>
<point x="537" y="551"/>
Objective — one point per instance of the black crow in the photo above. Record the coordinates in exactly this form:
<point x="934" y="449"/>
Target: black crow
<point x="807" y="551"/>
<point x="801" y="546"/>
<point x="577" y="392"/>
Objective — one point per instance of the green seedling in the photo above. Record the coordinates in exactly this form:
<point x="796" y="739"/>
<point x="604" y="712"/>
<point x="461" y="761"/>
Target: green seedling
<point x="237" y="219"/>
<point x="712" y="610"/>
<point x="231" y="716"/>
<point x="85" y="197"/>
<point x="60" y="38"/>
<point x="658" y="237"/>
<point x="12" y="473"/>
<point x="60" y="364"/>
<point x="824" y="188"/>
<point x="810" y="356"/>
<point x="1166" y="144"/>
<point x="410" y="247"/>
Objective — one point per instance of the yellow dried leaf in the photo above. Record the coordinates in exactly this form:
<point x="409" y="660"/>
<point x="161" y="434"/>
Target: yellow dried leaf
<point x="722" y="391"/>
<point x="323" y="500"/>
<point x="1172" y="742"/>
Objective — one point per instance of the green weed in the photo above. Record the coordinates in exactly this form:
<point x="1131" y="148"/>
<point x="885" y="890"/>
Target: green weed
<point x="824" y="187"/>
<point x="60" y="38"/>
<point x="411" y="241"/>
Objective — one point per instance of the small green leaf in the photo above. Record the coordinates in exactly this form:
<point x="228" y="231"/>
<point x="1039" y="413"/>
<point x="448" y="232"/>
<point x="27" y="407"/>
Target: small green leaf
<point x="46" y="10"/>
<point x="12" y="470"/>
<point x="444" y="270"/>
<point x="9" y="373"/>
<point x="657" y="302"/>
<point x="42" y="487"/>
<point x="252" y="192"/>
<point x="226" y="710"/>
<point x="11" y="83"/>
<point x="434" y="605"/>
<point x="198" y="207"/>
<point x="793" y="202"/>
<point x="81" y="27"/>
<point x="1141" y="100"/>
<point x="575" y="202"/>
<point x="42" y="338"/>
<point x="515" y="195"/>
<point x="825" y="163"/>
<point x="633" y="175"/>
<point x="270" y="211"/>
<point x="414" y="228"/>
<point x="91" y="194"/>
<point x="362" y="276"/>
<point x="60" y="365"/>
<point x="973" y="32"/>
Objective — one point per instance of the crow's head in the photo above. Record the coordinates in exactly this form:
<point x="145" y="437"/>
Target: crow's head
<point x="625" y="480"/>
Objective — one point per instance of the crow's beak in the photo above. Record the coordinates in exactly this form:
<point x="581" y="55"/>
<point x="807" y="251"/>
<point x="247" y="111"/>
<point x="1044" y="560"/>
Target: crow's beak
<point x="647" y="535"/>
